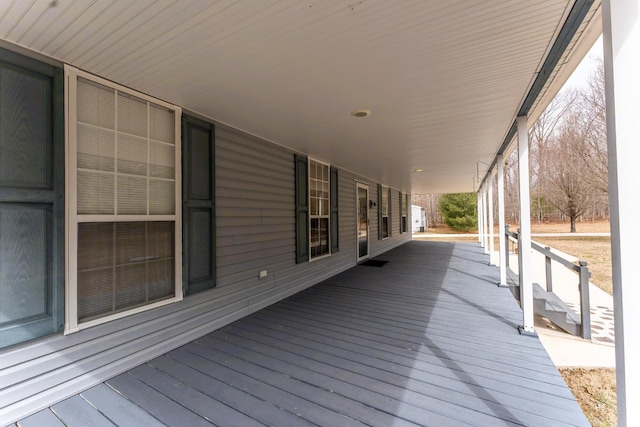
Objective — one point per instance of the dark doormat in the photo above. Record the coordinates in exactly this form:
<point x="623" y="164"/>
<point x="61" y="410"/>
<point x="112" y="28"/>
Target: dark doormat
<point x="374" y="263"/>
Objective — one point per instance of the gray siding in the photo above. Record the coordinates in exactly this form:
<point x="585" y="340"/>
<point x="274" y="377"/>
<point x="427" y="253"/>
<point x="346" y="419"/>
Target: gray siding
<point x="255" y="216"/>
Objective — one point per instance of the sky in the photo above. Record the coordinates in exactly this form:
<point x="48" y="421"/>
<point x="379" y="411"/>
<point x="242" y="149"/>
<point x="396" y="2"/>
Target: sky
<point x="579" y="77"/>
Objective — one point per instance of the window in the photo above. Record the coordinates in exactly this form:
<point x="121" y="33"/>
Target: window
<point x="316" y="186"/>
<point x="403" y="213"/>
<point x="123" y="186"/>
<point x="385" y="217"/>
<point x="319" y="209"/>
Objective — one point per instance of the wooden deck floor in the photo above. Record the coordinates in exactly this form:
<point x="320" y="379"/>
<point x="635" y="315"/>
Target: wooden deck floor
<point x="426" y="339"/>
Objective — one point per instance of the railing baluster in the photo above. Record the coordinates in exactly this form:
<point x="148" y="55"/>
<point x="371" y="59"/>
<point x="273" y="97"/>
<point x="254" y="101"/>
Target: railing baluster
<point x="506" y="244"/>
<point x="547" y="263"/>
<point x="585" y="306"/>
<point x="519" y="266"/>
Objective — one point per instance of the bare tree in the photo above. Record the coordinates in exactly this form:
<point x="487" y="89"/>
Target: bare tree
<point x="430" y="204"/>
<point x="512" y="192"/>
<point x="542" y="137"/>
<point x="568" y="186"/>
<point x="592" y="106"/>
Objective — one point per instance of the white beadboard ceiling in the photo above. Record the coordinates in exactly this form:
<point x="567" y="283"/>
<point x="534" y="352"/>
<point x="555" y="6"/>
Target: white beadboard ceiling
<point x="444" y="79"/>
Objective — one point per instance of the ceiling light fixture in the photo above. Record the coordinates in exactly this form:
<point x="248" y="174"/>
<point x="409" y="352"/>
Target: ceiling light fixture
<point x="361" y="113"/>
<point x="419" y="170"/>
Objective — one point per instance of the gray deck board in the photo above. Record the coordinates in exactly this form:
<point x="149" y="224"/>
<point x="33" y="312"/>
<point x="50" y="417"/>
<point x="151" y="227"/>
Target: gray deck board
<point x="387" y="356"/>
<point x="119" y="410"/>
<point x="377" y="364"/>
<point x="194" y="400"/>
<point x="266" y="385"/>
<point x="262" y="411"/>
<point x="428" y="339"/>
<point x="76" y="411"/>
<point x="327" y="390"/>
<point x="366" y="389"/>
<point x="156" y="403"/>
<point x="41" y="418"/>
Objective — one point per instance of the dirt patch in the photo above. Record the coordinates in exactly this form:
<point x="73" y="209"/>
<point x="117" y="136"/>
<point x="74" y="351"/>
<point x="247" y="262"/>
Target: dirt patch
<point x="595" y="391"/>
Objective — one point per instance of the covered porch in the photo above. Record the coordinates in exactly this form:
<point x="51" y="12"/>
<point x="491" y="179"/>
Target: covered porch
<point x="427" y="338"/>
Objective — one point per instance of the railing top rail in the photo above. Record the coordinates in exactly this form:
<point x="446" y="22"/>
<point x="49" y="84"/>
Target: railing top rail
<point x="512" y="234"/>
<point x="556" y="257"/>
<point x="564" y="259"/>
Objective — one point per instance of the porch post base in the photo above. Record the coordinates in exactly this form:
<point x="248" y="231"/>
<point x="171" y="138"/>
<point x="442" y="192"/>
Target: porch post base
<point x="526" y="332"/>
<point x="502" y="285"/>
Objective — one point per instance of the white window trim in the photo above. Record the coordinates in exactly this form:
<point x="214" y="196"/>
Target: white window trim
<point x="328" y="216"/>
<point x="71" y="216"/>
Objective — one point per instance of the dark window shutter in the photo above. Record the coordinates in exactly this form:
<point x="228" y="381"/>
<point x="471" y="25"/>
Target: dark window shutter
<point x="198" y="209"/>
<point x="400" y="211"/>
<point x="302" y="208"/>
<point x="32" y="207"/>
<point x="390" y="207"/>
<point x="379" y="212"/>
<point x="334" y="211"/>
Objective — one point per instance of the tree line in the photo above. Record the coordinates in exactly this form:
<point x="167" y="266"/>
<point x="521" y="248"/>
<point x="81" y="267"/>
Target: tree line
<point x="568" y="163"/>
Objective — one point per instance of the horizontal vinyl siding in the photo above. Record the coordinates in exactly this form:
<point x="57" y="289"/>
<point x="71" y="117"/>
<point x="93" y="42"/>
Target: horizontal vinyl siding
<point x="255" y="216"/>
<point x="249" y="170"/>
<point x="347" y="216"/>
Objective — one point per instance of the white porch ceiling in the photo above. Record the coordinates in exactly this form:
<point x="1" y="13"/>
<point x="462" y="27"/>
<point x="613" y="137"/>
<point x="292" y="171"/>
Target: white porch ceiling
<point x="444" y="79"/>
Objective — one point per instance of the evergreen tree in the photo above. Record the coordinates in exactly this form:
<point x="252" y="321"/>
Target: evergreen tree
<point x="459" y="211"/>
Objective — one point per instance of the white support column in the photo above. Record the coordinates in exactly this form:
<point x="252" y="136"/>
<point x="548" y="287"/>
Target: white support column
<point x="490" y="222"/>
<point x="501" y="223"/>
<point x="479" y="217"/>
<point x="486" y="220"/>
<point x="524" y="251"/>
<point x="621" y="36"/>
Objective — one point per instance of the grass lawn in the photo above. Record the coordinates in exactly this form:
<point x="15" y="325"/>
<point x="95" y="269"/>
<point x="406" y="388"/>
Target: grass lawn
<point x="594" y="389"/>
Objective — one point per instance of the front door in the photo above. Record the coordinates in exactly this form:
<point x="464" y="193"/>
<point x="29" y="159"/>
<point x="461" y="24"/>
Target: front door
<point x="362" y="203"/>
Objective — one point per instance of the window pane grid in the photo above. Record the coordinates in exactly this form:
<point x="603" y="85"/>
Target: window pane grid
<point x="126" y="265"/>
<point x="319" y="232"/>
<point x="126" y="213"/>
<point x="319" y="208"/>
<point x="138" y="140"/>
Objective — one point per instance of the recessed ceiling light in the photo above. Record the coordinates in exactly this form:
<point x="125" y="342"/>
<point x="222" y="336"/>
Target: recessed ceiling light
<point x="361" y="113"/>
<point x="419" y="170"/>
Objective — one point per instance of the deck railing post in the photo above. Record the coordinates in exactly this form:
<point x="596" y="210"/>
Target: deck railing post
<point x="547" y="263"/>
<point x="519" y="247"/>
<point x="506" y="244"/>
<point x="585" y="305"/>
